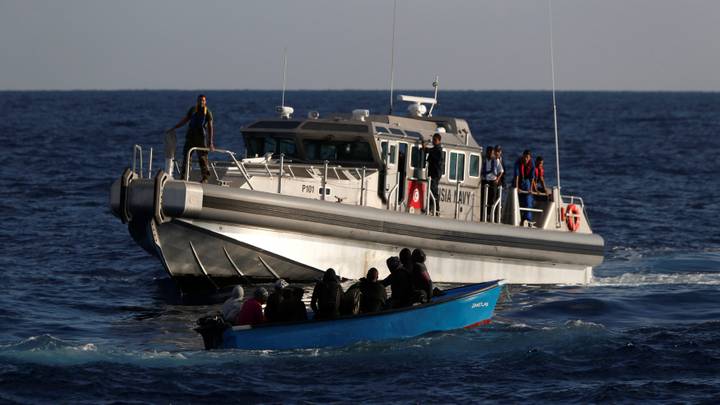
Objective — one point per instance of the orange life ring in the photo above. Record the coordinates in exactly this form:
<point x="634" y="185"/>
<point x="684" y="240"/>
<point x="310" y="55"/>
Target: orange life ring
<point x="572" y="217"/>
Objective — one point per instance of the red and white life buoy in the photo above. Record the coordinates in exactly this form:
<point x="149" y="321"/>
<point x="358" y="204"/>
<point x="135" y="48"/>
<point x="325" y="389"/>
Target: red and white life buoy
<point x="572" y="217"/>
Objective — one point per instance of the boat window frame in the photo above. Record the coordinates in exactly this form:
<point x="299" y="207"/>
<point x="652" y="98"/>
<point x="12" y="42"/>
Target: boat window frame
<point x="445" y="164"/>
<point x="457" y="172"/>
<point x="474" y="155"/>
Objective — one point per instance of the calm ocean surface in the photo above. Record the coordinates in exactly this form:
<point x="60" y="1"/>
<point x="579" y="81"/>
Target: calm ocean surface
<point x="86" y="316"/>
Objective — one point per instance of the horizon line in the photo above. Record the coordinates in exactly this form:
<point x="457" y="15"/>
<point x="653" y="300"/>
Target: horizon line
<point x="361" y="89"/>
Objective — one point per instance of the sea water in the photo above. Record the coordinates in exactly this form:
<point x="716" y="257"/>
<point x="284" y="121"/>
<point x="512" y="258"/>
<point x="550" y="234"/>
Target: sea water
<point x="86" y="316"/>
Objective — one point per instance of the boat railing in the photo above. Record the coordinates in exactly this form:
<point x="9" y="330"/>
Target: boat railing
<point x="138" y="158"/>
<point x="238" y="164"/>
<point x="495" y="207"/>
<point x="430" y="199"/>
<point x="329" y="176"/>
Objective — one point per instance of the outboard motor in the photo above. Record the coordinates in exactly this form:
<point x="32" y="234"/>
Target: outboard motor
<point x="211" y="328"/>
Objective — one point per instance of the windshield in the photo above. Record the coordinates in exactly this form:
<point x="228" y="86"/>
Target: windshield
<point x="338" y="151"/>
<point x="257" y="145"/>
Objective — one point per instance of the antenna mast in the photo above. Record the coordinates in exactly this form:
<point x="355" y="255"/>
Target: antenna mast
<point x="282" y="102"/>
<point x="555" y="123"/>
<point x="392" y="57"/>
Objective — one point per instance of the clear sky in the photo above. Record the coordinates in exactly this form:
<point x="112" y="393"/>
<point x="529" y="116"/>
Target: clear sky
<point x="335" y="44"/>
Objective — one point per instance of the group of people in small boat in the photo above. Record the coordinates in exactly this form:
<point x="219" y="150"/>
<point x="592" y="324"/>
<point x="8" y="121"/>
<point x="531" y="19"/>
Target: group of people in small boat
<point x="409" y="282"/>
<point x="529" y="178"/>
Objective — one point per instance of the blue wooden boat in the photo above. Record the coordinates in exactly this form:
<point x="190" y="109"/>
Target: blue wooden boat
<point x="462" y="307"/>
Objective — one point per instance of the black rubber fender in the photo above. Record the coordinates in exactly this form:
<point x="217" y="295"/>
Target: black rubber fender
<point x="160" y="179"/>
<point x="127" y="177"/>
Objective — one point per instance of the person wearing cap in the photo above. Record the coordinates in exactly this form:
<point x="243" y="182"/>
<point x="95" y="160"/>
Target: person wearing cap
<point x="325" y="300"/>
<point x="436" y="164"/>
<point x="251" y="312"/>
<point x="274" y="300"/>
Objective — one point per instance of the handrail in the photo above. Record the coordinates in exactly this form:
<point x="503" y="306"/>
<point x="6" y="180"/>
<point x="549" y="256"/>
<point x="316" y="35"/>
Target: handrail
<point x="137" y="148"/>
<point x="457" y="198"/>
<point x="280" y="172"/>
<point x="150" y="163"/>
<point x="241" y="168"/>
<point x="392" y="190"/>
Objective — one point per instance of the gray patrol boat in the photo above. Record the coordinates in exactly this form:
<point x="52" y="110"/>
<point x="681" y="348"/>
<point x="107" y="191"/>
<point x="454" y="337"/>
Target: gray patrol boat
<point x="347" y="191"/>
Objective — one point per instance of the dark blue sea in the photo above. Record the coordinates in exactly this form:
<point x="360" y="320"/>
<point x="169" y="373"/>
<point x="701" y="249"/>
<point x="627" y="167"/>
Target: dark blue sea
<point x="86" y="316"/>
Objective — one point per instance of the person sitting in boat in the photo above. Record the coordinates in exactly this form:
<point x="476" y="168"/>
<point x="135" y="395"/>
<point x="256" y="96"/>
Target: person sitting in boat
<point x="232" y="306"/>
<point x="373" y="295"/>
<point x="325" y="300"/>
<point x="400" y="283"/>
<point x="525" y="183"/>
<point x="436" y="163"/>
<point x="406" y="258"/>
<point x="292" y="308"/>
<point x="251" y="312"/>
<point x="421" y="281"/>
<point x="273" y="303"/>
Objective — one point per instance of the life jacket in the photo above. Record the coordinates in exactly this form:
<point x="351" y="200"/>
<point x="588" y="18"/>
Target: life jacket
<point x="539" y="172"/>
<point x="526" y="170"/>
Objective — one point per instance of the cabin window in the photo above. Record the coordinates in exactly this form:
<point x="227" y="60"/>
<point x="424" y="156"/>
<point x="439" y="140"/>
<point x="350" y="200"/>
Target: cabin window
<point x="335" y="127"/>
<point x="384" y="151"/>
<point x="381" y="130"/>
<point x="393" y="154"/>
<point x="457" y="166"/>
<point x="259" y="145"/>
<point x="397" y="131"/>
<point x="474" y="169"/>
<point x="337" y="151"/>
<point x="415" y="157"/>
<point x="284" y="124"/>
<point x="414" y="134"/>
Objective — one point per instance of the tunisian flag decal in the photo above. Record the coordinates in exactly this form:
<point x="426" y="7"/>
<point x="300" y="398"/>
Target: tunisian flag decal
<point x="416" y="192"/>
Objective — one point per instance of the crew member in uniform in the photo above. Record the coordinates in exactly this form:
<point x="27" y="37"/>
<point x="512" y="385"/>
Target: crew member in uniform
<point x="436" y="163"/>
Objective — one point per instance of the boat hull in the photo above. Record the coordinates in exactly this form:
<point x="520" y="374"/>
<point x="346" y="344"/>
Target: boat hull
<point x="216" y="236"/>
<point x="463" y="307"/>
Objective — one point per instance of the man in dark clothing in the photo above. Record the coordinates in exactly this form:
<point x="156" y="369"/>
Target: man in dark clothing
<point x="400" y="283"/>
<point x="201" y="121"/>
<point x="272" y="307"/>
<point x="326" y="296"/>
<point x="292" y="308"/>
<point x="436" y="164"/>
<point x="422" y="283"/>
<point x="373" y="296"/>
<point x="406" y="258"/>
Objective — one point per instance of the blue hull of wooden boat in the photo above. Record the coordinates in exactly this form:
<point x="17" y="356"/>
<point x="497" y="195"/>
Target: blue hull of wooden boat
<point x="461" y="307"/>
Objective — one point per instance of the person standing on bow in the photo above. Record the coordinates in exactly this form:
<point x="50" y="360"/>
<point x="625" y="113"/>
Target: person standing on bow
<point x="435" y="166"/>
<point x="200" y="121"/>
